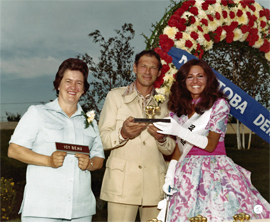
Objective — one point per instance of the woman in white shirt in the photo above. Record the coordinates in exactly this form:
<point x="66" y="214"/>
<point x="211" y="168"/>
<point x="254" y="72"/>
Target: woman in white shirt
<point x="58" y="184"/>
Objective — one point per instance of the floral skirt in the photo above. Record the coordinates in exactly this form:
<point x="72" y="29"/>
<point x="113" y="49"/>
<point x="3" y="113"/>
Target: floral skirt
<point x="216" y="188"/>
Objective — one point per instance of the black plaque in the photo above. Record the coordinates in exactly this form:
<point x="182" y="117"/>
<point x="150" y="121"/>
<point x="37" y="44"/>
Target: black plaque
<point x="145" y="120"/>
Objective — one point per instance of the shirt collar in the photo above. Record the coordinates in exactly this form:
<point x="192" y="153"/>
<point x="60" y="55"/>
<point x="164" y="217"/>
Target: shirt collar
<point x="132" y="88"/>
<point x="54" y="105"/>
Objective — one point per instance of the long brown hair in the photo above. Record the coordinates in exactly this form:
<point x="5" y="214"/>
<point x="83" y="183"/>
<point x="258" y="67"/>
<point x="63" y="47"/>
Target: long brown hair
<point x="180" y="100"/>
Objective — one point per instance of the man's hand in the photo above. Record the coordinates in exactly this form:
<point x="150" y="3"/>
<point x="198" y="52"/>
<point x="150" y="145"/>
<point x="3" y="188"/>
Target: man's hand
<point x="153" y="131"/>
<point x="83" y="161"/>
<point x="57" y="159"/>
<point x="131" y="129"/>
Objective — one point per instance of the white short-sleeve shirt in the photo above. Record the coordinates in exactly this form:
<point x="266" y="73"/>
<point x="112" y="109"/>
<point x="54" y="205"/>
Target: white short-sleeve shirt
<point x="63" y="192"/>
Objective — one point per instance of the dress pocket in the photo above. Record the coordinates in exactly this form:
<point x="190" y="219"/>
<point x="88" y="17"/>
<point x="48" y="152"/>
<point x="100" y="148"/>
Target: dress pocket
<point x="53" y="132"/>
<point x="114" y="176"/>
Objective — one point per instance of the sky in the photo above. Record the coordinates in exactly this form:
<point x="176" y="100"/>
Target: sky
<point x="37" y="36"/>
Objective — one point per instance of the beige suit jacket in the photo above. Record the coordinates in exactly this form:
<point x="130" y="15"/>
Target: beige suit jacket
<point x="135" y="170"/>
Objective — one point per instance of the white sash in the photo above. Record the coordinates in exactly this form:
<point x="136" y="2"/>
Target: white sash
<point x="196" y="124"/>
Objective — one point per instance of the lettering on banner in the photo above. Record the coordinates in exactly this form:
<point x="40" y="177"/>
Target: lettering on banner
<point x="183" y="60"/>
<point x="191" y="127"/>
<point x="263" y="123"/>
<point x="235" y="99"/>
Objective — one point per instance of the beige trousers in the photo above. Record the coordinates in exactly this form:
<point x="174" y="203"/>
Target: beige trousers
<point x="127" y="213"/>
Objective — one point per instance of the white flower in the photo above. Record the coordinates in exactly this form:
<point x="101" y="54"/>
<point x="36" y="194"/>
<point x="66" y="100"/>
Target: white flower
<point x="170" y="32"/>
<point x="243" y="19"/>
<point x="159" y="98"/>
<point x="237" y="34"/>
<point x="90" y="116"/>
<point x="258" y="43"/>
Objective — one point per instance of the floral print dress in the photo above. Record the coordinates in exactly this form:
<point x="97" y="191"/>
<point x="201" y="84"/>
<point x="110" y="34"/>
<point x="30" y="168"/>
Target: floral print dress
<point x="211" y="184"/>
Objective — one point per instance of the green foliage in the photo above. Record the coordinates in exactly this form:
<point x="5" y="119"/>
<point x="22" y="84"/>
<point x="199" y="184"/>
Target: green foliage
<point x="8" y="195"/>
<point x="13" y="117"/>
<point x="113" y="69"/>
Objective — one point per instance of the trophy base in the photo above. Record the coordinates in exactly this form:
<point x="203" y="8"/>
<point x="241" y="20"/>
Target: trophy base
<point x="144" y="120"/>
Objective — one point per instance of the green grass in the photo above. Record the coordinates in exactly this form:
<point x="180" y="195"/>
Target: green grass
<point x="256" y="160"/>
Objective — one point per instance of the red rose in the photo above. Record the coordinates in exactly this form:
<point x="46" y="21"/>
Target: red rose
<point x="200" y="28"/>
<point x="229" y="37"/>
<point x="267" y="13"/>
<point x="172" y="22"/>
<point x="175" y="17"/>
<point x="179" y="35"/>
<point x="207" y="37"/>
<point x="252" y="37"/>
<point x="219" y="30"/>
<point x="265" y="47"/>
<point x="224" y="14"/>
<point x="263" y="24"/>
<point x="165" y="68"/>
<point x="159" y="81"/>
<point x="216" y="38"/>
<point x="179" y="12"/>
<point x="232" y="15"/>
<point x="211" y="1"/>
<point x="192" y="2"/>
<point x="224" y="2"/>
<point x="234" y="25"/>
<point x="248" y="15"/>
<point x="181" y="26"/>
<point x="186" y="5"/>
<point x="251" y="23"/>
<point x="253" y="17"/>
<point x="158" y="51"/>
<point x="188" y="44"/>
<point x="245" y="28"/>
<point x="261" y="12"/>
<point x="167" y="58"/>
<point x="239" y="13"/>
<point x="252" y="7"/>
<point x="165" y="42"/>
<point x="194" y="10"/>
<point x="204" y="21"/>
<point x="217" y="15"/>
<point x="205" y="6"/>
<point x="243" y="4"/>
<point x="210" y="17"/>
<point x="194" y="35"/>
<point x="192" y="19"/>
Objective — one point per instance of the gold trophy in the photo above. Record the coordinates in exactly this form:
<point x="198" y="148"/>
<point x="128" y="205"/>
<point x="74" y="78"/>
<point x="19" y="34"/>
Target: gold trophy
<point x="150" y="112"/>
<point x="241" y="217"/>
<point x="198" y="218"/>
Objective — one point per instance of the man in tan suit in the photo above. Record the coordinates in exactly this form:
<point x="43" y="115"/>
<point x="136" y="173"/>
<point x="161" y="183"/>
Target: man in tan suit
<point x="135" y="169"/>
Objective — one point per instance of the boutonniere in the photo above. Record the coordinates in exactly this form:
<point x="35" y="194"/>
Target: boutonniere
<point x="159" y="98"/>
<point x="89" y="117"/>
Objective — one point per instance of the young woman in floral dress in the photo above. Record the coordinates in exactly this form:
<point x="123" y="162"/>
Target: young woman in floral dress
<point x="201" y="179"/>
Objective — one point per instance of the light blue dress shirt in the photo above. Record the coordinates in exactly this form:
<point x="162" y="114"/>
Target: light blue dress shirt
<point x="63" y="192"/>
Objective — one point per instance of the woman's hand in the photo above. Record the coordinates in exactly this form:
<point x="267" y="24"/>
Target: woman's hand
<point x="57" y="159"/>
<point x="83" y="161"/>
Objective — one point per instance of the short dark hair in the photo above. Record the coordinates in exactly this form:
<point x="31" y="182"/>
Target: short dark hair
<point x="71" y="64"/>
<point x="150" y="53"/>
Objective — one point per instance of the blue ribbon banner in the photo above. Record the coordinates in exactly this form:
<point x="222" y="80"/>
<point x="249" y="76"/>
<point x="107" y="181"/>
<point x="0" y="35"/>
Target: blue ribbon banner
<point x="243" y="107"/>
